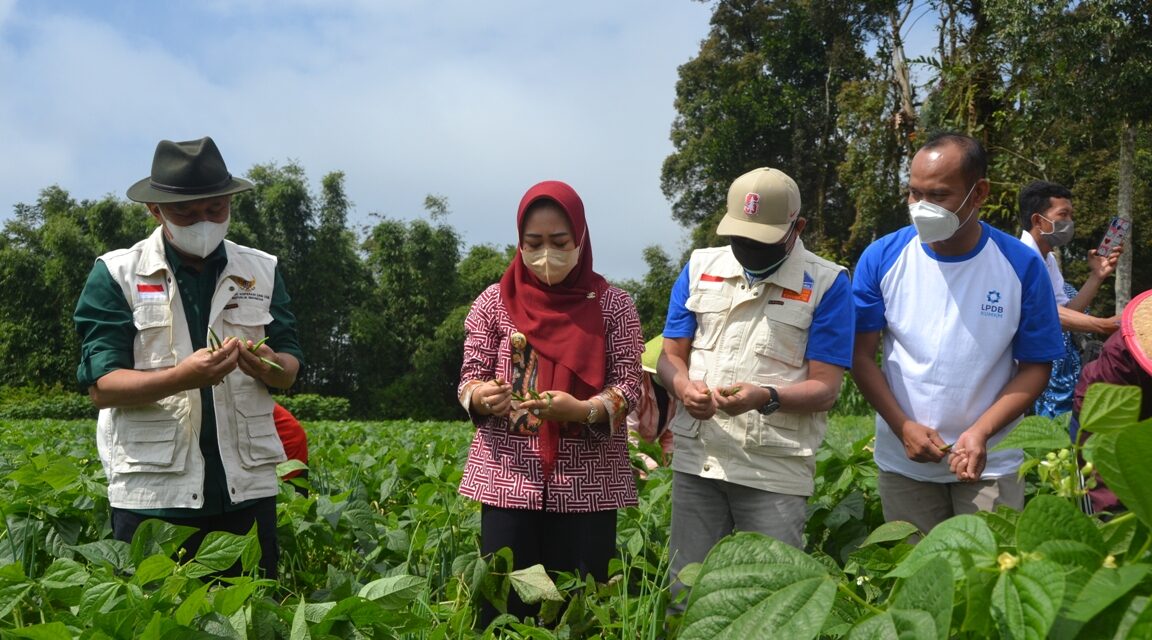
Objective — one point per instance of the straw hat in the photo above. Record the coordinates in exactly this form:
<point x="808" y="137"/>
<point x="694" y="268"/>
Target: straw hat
<point x="1136" y="325"/>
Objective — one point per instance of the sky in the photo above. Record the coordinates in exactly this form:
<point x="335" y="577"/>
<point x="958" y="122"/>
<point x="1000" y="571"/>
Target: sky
<point x="472" y="101"/>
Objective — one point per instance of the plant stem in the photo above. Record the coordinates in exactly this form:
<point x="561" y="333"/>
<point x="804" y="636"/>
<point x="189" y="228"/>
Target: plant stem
<point x="857" y="599"/>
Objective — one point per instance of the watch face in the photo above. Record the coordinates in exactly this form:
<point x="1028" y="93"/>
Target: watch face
<point x="769" y="408"/>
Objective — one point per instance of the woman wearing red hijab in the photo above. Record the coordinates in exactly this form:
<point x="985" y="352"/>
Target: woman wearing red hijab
<point x="551" y="369"/>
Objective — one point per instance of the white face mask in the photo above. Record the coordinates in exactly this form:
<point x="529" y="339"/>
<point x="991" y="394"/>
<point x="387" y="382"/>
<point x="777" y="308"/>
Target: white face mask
<point x="550" y="265"/>
<point x="935" y="223"/>
<point x="199" y="239"/>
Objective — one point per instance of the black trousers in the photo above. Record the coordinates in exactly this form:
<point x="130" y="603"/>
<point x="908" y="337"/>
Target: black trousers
<point x="573" y="542"/>
<point x="263" y="513"/>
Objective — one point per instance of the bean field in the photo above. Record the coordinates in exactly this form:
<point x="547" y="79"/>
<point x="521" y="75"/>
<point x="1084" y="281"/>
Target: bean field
<point x="382" y="546"/>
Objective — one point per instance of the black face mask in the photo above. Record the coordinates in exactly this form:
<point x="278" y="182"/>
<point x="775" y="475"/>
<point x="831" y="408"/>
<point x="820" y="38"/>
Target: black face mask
<point x="757" y="258"/>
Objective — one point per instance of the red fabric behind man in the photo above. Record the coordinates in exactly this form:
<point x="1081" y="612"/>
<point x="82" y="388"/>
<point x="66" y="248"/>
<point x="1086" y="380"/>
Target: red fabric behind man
<point x="292" y="435"/>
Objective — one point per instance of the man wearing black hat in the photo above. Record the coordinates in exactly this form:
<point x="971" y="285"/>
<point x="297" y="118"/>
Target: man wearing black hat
<point x="183" y="334"/>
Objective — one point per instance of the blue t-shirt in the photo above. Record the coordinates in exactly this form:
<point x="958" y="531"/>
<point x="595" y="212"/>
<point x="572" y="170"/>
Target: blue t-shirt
<point x="829" y="338"/>
<point x="954" y="329"/>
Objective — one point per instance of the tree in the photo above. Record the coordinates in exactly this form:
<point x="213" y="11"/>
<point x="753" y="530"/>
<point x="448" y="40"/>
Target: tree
<point x="413" y="268"/>
<point x="762" y="92"/>
<point x="46" y="252"/>
<point x="652" y="294"/>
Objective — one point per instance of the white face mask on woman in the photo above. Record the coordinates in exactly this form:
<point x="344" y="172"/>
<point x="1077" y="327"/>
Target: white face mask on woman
<point x="550" y="265"/>
<point x="199" y="239"/>
<point x="935" y="223"/>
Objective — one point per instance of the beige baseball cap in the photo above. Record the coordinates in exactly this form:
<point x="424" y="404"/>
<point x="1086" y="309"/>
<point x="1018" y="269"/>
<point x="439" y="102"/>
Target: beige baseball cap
<point x="762" y="205"/>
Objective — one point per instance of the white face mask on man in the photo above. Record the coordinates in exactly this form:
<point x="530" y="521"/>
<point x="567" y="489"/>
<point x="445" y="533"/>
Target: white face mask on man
<point x="935" y="223"/>
<point x="550" y="265"/>
<point x="198" y="239"/>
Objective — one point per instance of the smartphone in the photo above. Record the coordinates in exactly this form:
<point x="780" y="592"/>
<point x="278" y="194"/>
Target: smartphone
<point x="1117" y="232"/>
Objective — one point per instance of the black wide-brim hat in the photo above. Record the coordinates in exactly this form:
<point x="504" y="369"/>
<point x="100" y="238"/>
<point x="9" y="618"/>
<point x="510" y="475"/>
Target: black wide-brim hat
<point x="183" y="171"/>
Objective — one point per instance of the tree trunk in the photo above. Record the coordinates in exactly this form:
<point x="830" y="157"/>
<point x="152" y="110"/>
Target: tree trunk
<point x="1124" y="210"/>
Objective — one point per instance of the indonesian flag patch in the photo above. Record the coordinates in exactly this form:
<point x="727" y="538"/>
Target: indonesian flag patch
<point x="151" y="292"/>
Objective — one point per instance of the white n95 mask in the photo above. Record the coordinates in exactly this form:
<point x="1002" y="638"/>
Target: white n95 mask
<point x="199" y="239"/>
<point x="935" y="223"/>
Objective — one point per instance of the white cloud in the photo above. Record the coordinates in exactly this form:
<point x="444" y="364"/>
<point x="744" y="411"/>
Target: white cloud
<point x="473" y="101"/>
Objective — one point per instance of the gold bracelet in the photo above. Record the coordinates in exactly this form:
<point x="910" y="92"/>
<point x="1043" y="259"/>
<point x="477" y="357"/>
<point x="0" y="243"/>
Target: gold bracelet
<point x="591" y="419"/>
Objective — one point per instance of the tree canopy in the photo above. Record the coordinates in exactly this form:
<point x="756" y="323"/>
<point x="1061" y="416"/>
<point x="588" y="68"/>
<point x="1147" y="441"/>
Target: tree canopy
<point x="1057" y="90"/>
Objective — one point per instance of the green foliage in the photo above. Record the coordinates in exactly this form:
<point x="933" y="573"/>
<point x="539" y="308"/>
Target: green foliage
<point x="311" y="406"/>
<point x="652" y="294"/>
<point x="384" y="546"/>
<point x="49" y="402"/>
<point x="761" y="92"/>
<point x="1048" y="571"/>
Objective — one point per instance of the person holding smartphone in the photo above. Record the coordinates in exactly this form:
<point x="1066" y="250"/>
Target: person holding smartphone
<point x="1046" y="216"/>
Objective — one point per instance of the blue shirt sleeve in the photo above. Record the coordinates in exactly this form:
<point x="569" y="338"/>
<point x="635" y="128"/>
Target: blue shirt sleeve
<point x="830" y="338"/>
<point x="1039" y="337"/>
<point x="866" y="294"/>
<point x="681" y="323"/>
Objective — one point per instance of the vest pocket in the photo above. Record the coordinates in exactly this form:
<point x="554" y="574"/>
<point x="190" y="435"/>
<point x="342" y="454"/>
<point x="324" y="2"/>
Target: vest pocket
<point x="148" y="438"/>
<point x="152" y="347"/>
<point x="246" y="321"/>
<point x="786" y="339"/>
<point x="779" y="433"/>
<point x="710" y="310"/>
<point x="258" y="442"/>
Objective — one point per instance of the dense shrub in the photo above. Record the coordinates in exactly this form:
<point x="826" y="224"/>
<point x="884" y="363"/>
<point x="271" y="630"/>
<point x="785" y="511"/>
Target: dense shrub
<point x="31" y="402"/>
<point x="310" y="406"/>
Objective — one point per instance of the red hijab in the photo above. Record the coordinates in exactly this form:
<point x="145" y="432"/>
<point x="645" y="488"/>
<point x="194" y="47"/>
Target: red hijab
<point x="562" y="322"/>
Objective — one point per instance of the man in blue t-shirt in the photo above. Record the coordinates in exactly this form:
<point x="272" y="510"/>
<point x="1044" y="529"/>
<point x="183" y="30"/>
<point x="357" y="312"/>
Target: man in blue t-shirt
<point x="755" y="346"/>
<point x="969" y="330"/>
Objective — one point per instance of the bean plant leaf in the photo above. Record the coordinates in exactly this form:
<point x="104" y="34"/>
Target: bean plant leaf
<point x="1074" y="556"/>
<point x="193" y="604"/>
<point x="963" y="540"/>
<point x="229" y="600"/>
<point x="1109" y="407"/>
<point x="393" y="592"/>
<point x="1119" y="534"/>
<point x="751" y="583"/>
<point x="1122" y="460"/>
<point x="1137" y="620"/>
<point x="897" y="624"/>
<point x="11" y="595"/>
<point x="49" y="631"/>
<point x="890" y="532"/>
<point x="1106" y="586"/>
<point x="100" y="598"/>
<point x="221" y="550"/>
<point x="64" y="581"/>
<point x="533" y="584"/>
<point x="156" y="536"/>
<point x="113" y="553"/>
<point x="929" y="590"/>
<point x="1027" y="598"/>
<point x="1048" y="518"/>
<point x="300" y="622"/>
<point x="1037" y="433"/>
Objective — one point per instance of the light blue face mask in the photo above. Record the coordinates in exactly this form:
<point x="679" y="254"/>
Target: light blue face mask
<point x="935" y="223"/>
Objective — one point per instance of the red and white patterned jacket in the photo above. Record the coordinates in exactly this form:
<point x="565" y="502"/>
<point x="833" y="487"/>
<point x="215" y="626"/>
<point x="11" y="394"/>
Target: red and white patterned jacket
<point x="592" y="470"/>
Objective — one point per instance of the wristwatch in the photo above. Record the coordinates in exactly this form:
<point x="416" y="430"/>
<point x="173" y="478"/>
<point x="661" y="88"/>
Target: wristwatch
<point x="770" y="407"/>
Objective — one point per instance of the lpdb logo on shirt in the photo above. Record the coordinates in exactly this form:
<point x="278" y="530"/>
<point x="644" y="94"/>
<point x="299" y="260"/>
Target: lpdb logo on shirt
<point x="751" y="204"/>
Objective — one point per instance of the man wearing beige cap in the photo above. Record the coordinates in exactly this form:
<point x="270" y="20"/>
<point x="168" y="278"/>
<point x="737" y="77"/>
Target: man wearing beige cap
<point x="758" y="336"/>
<point x="182" y="335"/>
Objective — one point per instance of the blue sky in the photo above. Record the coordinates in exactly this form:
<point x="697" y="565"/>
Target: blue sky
<point x="473" y="101"/>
